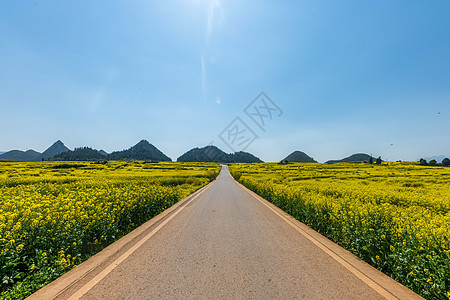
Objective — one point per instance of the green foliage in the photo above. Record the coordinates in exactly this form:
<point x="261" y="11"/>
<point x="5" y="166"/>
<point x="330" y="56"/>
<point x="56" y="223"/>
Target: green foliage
<point x="423" y="162"/>
<point x="80" y="154"/>
<point x="446" y="162"/>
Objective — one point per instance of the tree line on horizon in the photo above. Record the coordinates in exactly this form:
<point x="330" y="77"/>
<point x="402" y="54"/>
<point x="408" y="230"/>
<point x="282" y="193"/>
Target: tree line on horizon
<point x="432" y="163"/>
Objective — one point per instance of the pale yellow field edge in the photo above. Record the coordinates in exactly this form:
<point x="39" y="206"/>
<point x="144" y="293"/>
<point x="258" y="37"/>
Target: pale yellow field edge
<point x="375" y="286"/>
<point x="89" y="285"/>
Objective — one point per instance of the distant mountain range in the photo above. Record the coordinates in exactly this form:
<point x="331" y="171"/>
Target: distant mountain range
<point x="214" y="154"/>
<point x="358" y="157"/>
<point x="58" y="151"/>
<point x="141" y="151"/>
<point x="31" y="155"/>
<point x="299" y="156"/>
<point x="17" y="155"/>
<point x="146" y="151"/>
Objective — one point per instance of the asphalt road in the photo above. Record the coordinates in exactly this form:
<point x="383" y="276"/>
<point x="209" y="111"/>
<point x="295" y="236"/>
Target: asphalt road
<point x="225" y="243"/>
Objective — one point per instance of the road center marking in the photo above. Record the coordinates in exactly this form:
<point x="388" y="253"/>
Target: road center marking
<point x="89" y="285"/>
<point x="375" y="286"/>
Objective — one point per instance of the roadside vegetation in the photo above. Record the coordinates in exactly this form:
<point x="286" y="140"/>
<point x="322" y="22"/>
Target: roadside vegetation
<point x="55" y="215"/>
<point x="394" y="216"/>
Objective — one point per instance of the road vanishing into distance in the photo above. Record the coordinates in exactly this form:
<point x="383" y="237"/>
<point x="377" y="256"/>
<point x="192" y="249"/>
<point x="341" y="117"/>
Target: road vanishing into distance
<point x="224" y="242"/>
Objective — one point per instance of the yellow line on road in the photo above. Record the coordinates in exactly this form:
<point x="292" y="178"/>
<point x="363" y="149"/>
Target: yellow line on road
<point x="89" y="285"/>
<point x="379" y="289"/>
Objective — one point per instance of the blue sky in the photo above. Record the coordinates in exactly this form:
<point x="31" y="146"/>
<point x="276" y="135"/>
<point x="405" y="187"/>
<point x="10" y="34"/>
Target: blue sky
<point x="349" y="76"/>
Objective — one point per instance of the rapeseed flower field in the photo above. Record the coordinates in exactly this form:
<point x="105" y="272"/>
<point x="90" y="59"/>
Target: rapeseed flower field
<point x="55" y="215"/>
<point x="395" y="216"/>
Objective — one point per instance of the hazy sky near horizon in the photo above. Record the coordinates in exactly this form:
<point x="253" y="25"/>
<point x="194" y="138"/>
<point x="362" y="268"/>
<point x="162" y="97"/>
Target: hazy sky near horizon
<point x="349" y="76"/>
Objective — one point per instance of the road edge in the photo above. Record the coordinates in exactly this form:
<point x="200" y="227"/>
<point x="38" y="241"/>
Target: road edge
<point x="394" y="288"/>
<point x="63" y="283"/>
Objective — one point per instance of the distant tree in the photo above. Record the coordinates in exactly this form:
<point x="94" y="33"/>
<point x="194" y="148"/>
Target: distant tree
<point x="80" y="154"/>
<point x="371" y="160"/>
<point x="446" y="162"/>
<point x="432" y="162"/>
<point x="378" y="161"/>
<point x="423" y="162"/>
